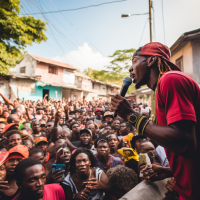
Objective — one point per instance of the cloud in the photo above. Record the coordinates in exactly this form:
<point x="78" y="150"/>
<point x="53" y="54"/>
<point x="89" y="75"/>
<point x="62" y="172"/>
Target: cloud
<point x="83" y="58"/>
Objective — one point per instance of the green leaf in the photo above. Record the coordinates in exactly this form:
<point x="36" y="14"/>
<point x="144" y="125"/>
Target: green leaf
<point x="16" y="33"/>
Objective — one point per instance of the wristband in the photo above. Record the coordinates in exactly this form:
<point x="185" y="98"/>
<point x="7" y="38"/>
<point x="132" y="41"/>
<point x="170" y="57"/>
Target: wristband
<point x="145" y="126"/>
<point x="138" y="124"/>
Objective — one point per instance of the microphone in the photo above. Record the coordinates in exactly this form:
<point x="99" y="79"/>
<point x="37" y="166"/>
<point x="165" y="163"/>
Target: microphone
<point x="126" y="83"/>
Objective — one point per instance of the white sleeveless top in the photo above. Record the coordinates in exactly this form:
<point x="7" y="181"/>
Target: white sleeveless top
<point x="94" y="194"/>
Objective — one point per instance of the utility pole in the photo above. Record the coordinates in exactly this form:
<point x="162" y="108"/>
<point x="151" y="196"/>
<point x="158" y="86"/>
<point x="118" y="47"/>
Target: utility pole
<point x="150" y="20"/>
<point x="151" y="40"/>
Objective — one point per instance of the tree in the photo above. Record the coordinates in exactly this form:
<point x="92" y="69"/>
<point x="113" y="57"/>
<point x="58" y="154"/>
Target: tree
<point x="16" y="33"/>
<point x="116" y="71"/>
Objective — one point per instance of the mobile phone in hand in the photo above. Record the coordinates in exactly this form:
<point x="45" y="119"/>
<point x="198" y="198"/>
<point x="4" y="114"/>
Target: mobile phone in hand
<point x="144" y="159"/>
<point x="58" y="166"/>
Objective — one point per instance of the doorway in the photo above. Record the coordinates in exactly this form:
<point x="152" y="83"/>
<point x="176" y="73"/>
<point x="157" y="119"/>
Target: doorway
<point x="46" y="92"/>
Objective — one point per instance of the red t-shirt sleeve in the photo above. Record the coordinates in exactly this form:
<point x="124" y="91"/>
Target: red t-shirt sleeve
<point x="176" y="92"/>
<point x="53" y="192"/>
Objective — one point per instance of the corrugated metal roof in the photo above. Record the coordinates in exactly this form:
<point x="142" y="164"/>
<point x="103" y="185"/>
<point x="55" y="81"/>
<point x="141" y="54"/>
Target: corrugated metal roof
<point x="53" y="62"/>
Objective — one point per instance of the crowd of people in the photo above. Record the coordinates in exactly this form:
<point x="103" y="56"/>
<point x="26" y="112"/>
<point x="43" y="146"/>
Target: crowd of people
<point x="62" y="149"/>
<point x="70" y="149"/>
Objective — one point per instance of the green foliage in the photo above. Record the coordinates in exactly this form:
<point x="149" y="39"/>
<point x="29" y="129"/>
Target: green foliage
<point x="16" y="33"/>
<point x="116" y="71"/>
<point x="123" y="57"/>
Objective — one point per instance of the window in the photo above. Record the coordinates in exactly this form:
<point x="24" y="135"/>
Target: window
<point x="92" y="85"/>
<point x="179" y="63"/>
<point x="23" y="70"/>
<point x="53" y="70"/>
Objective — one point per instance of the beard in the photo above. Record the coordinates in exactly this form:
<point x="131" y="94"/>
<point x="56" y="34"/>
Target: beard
<point x="144" y="80"/>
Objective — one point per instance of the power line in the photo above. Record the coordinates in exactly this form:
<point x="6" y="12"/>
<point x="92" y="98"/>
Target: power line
<point x="52" y="32"/>
<point x="76" y="28"/>
<point x="142" y="32"/>
<point x="73" y="9"/>
<point x="52" y="46"/>
<point x="53" y="35"/>
<point x="61" y="34"/>
<point x="67" y="38"/>
<point x="163" y="20"/>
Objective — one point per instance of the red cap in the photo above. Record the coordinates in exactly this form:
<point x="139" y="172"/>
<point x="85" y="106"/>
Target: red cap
<point x="157" y="49"/>
<point x="3" y="156"/>
<point x="10" y="127"/>
<point x="40" y="139"/>
<point x="20" y="149"/>
<point x="98" y="109"/>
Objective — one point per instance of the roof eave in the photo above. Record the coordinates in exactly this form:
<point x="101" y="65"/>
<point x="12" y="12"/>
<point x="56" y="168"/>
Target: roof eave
<point x="185" y="37"/>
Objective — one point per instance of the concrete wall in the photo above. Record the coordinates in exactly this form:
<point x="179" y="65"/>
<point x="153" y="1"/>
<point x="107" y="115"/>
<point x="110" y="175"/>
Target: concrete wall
<point x="102" y="89"/>
<point x="66" y="93"/>
<point x="39" y="92"/>
<point x="87" y="84"/>
<point x="30" y="65"/>
<point x="68" y="77"/>
<point x="196" y="60"/>
<point x="78" y="82"/>
<point x="27" y="89"/>
<point x="42" y="69"/>
<point x="187" y="54"/>
<point x="4" y="87"/>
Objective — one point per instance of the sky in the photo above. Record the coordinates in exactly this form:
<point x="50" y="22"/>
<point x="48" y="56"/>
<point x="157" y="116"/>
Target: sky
<point x="85" y="38"/>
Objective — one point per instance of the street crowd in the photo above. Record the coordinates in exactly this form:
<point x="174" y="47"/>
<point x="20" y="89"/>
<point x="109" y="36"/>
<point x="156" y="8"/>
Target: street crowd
<point x="70" y="149"/>
<point x="93" y="150"/>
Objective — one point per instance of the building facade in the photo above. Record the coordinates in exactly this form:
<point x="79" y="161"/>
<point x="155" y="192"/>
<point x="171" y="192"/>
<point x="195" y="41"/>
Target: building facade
<point x="61" y="78"/>
<point x="185" y="53"/>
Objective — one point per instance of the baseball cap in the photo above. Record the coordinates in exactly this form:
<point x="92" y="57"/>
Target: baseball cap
<point x="40" y="139"/>
<point x="157" y="49"/>
<point x="3" y="156"/>
<point x="98" y="109"/>
<point x="19" y="149"/>
<point x="11" y="126"/>
<point x="85" y="130"/>
<point x="108" y="113"/>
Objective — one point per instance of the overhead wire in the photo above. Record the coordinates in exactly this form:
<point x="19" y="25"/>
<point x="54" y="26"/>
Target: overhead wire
<point x="143" y="32"/>
<point x="77" y="29"/>
<point x="44" y="43"/>
<point x="54" y="37"/>
<point x="61" y="34"/>
<point x="73" y="9"/>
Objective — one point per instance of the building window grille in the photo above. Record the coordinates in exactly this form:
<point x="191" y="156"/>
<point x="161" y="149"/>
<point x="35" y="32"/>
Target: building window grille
<point x="53" y="70"/>
<point x="23" y="70"/>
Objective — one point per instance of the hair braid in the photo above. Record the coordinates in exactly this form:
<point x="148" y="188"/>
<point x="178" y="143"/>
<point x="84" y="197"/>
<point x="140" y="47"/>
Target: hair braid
<point x="162" y="67"/>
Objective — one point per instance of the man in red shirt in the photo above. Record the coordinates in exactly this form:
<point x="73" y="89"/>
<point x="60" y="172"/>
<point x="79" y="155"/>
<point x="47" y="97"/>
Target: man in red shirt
<point x="177" y="123"/>
<point x="30" y="177"/>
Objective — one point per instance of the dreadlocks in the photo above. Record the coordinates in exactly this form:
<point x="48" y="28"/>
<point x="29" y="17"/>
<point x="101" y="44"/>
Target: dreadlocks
<point x="162" y="67"/>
